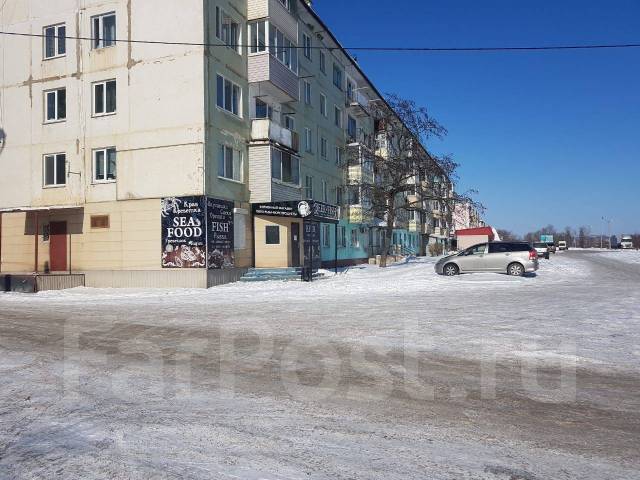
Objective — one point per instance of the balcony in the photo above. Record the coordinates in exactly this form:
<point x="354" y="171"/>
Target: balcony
<point x="273" y="78"/>
<point x="359" y="104"/>
<point x="266" y="130"/>
<point x="279" y="12"/>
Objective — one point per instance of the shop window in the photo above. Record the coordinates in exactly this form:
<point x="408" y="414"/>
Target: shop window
<point x="272" y="235"/>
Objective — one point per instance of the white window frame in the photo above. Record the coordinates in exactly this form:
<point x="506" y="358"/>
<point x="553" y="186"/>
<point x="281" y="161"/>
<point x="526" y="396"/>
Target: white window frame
<point x="280" y="154"/>
<point x="323" y="105"/>
<point x="56" y="41"/>
<point x="224" y="90"/>
<point x="306" y="92"/>
<point x="237" y="164"/>
<point x="338" y="69"/>
<point x="355" y="238"/>
<point x="325" y="235"/>
<point x="224" y="35"/>
<point x="104" y="98"/>
<point x="105" y="159"/>
<point x="338" y="154"/>
<point x="325" y="191"/>
<point x="337" y="116"/>
<point x="98" y="41"/>
<point x="342" y="237"/>
<point x="56" y="184"/>
<point x="323" y="62"/>
<point x="308" y="140"/>
<point x="306" y="46"/>
<point x="56" y="118"/>
<point x="308" y="187"/>
<point x="324" y="147"/>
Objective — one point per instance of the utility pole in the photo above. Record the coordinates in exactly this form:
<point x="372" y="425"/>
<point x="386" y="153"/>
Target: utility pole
<point x="608" y="221"/>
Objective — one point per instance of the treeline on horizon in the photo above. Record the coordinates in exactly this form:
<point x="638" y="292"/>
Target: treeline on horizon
<point x="581" y="237"/>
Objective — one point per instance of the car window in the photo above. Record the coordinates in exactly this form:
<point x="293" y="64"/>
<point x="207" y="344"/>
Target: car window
<point x="499" y="248"/>
<point x="477" y="250"/>
<point x="520" y="247"/>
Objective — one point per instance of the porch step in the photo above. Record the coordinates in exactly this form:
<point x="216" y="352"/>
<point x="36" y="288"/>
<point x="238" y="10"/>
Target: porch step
<point x="281" y="274"/>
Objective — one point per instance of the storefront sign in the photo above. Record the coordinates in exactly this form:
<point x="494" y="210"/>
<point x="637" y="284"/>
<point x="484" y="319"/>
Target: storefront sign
<point x="197" y="232"/>
<point x="183" y="232"/>
<point x="220" y="243"/>
<point x="307" y="209"/>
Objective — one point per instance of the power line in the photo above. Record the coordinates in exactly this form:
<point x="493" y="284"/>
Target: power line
<point x="368" y="49"/>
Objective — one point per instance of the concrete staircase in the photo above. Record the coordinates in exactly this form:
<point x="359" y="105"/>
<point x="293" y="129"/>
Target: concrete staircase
<point x="282" y="274"/>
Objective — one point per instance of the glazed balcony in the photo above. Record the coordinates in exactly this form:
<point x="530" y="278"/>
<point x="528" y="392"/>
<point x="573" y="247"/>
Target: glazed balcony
<point x="266" y="130"/>
<point x="358" y="104"/>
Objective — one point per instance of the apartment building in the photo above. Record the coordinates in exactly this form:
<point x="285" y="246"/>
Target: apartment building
<point x="466" y="215"/>
<point x="184" y="162"/>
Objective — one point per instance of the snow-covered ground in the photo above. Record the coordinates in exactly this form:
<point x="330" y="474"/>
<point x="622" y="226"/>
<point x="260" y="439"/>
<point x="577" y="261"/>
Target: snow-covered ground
<point x="372" y="373"/>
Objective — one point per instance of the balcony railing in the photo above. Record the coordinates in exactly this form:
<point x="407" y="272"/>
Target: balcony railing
<point x="359" y="104"/>
<point x="265" y="129"/>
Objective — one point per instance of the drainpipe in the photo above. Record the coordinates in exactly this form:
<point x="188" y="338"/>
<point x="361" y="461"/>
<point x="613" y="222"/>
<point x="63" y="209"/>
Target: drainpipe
<point x="36" y="242"/>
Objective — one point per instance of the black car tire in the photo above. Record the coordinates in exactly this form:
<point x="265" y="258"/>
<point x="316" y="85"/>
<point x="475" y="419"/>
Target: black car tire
<point x="515" y="269"/>
<point x="450" y="270"/>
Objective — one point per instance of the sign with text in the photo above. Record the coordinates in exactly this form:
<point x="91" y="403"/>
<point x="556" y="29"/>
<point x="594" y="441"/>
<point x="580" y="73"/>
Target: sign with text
<point x="307" y="209"/>
<point x="183" y="232"/>
<point x="220" y="243"/>
<point x="197" y="232"/>
<point x="311" y="237"/>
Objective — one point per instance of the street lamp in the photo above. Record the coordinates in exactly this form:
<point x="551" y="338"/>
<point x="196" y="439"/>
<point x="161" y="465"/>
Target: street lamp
<point x="608" y="222"/>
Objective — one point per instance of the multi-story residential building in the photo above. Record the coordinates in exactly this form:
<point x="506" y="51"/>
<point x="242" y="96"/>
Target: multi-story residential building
<point x="184" y="161"/>
<point x="466" y="215"/>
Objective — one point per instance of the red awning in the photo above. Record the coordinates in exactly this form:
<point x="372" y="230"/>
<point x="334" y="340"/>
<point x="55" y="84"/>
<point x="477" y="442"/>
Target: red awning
<point x="488" y="231"/>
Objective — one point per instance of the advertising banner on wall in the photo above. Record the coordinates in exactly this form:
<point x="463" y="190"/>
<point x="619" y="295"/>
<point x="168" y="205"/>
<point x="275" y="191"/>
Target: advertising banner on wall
<point x="197" y="232"/>
<point x="220" y="243"/>
<point x="183" y="232"/>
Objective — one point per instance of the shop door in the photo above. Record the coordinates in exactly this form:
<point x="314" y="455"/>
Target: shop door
<point x="58" y="246"/>
<point x="295" y="244"/>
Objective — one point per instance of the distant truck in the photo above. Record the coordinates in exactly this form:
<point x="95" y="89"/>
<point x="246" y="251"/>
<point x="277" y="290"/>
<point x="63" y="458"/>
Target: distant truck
<point x="626" y="242"/>
<point x="562" y="245"/>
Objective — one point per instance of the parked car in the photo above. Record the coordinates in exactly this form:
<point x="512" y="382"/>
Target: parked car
<point x="513" y="258"/>
<point x="552" y="247"/>
<point x="562" y="245"/>
<point x="542" y="249"/>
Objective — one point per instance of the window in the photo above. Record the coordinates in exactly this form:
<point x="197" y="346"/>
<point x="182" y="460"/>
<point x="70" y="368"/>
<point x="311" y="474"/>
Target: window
<point x="104" y="165"/>
<point x="323" y="105"/>
<point x="352" y="128"/>
<point x="325" y="235"/>
<point x="351" y="90"/>
<point x="342" y="237"/>
<point x="272" y="234"/>
<point x="285" y="167"/>
<point x="323" y="62"/>
<point x="55" y="105"/>
<point x="325" y="192"/>
<point x="229" y="163"/>
<point x="283" y="48"/>
<point x="55" y="41"/>
<point x="307" y="92"/>
<point x="338" y="155"/>
<point x="104" y="98"/>
<point x="499" y="247"/>
<point x="289" y="122"/>
<point x="354" y="194"/>
<point x="337" y="76"/>
<point x="355" y="238"/>
<point x="286" y="4"/>
<point x="306" y="45"/>
<point x="104" y="30"/>
<point x="228" y="30"/>
<point x="308" y="187"/>
<point x="476" y="250"/>
<point x="229" y="95"/>
<point x="337" y="114"/>
<point x="323" y="148"/>
<point x="308" y="140"/>
<point x="99" y="221"/>
<point x="55" y="170"/>
<point x="258" y="36"/>
<point x="263" y="110"/>
<point x="339" y="196"/>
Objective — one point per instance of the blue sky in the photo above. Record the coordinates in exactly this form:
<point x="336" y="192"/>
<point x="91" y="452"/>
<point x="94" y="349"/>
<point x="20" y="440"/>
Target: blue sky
<point x="546" y="138"/>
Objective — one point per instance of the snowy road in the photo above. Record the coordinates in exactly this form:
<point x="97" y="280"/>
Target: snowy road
<point x="376" y="374"/>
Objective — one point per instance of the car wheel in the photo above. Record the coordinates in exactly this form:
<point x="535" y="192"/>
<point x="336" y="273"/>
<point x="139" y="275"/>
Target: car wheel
<point x="515" y="270"/>
<point x="450" y="270"/>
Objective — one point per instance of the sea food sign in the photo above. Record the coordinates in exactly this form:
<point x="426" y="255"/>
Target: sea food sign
<point x="197" y="232"/>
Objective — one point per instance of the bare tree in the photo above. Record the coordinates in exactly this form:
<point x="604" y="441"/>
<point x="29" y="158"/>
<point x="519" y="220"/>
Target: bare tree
<point x="398" y="177"/>
<point x="506" y="235"/>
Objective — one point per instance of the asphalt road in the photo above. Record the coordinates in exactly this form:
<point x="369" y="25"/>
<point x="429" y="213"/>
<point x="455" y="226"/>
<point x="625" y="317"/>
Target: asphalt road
<point x="90" y="391"/>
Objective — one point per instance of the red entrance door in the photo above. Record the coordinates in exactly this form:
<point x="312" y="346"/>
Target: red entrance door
<point x="58" y="246"/>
